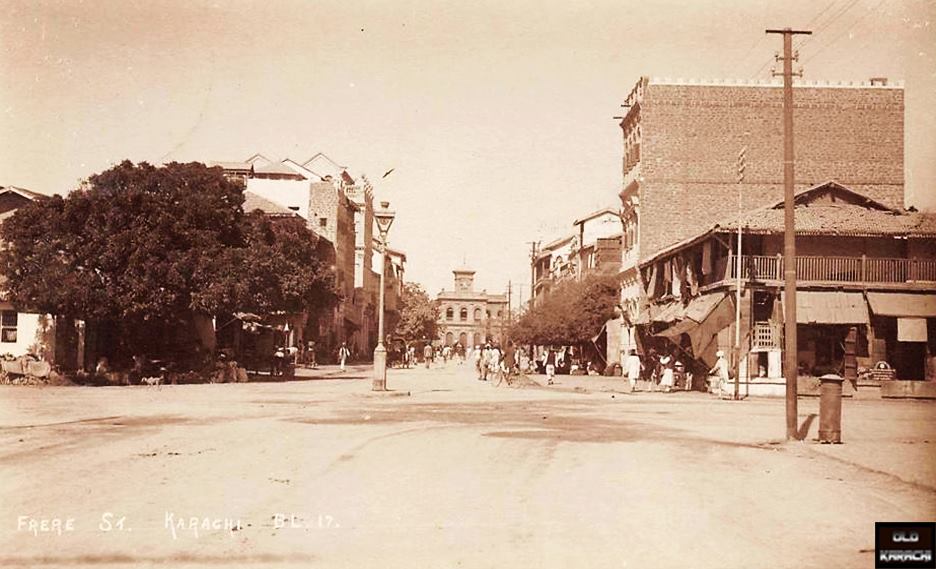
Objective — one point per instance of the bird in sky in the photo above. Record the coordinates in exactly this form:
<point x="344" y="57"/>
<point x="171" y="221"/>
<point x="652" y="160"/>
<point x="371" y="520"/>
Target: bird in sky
<point x="387" y="173"/>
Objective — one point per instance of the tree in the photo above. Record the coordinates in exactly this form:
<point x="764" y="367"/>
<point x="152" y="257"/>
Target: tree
<point x="572" y="313"/>
<point x="419" y="315"/>
<point x="141" y="250"/>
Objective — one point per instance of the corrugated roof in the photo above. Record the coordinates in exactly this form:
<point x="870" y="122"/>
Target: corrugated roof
<point x="278" y="169"/>
<point x="233" y="165"/>
<point x="23" y="192"/>
<point x="253" y="202"/>
<point x="595" y="214"/>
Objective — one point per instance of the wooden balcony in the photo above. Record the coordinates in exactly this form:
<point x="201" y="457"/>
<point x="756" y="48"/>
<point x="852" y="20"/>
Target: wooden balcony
<point x="876" y="270"/>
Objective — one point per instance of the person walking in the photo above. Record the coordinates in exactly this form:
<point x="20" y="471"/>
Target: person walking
<point x="485" y="362"/>
<point x="634" y="367"/>
<point x="476" y="356"/>
<point x="427" y="354"/>
<point x="495" y="362"/>
<point x="343" y="354"/>
<point x="668" y="379"/>
<point x="718" y="380"/>
<point x="550" y="365"/>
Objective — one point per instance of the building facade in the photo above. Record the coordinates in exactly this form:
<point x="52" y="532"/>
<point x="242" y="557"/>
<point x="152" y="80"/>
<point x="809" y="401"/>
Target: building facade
<point x="340" y="209"/>
<point x="866" y="277"/>
<point x="23" y="333"/>
<point x="682" y="141"/>
<point x="469" y="317"/>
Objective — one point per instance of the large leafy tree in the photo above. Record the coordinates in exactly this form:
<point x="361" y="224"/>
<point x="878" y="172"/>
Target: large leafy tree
<point x="419" y="315"/>
<point x="140" y="250"/>
<point x="572" y="313"/>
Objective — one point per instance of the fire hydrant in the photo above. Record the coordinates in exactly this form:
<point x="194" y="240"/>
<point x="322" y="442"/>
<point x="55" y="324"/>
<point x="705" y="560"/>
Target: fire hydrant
<point x="830" y="409"/>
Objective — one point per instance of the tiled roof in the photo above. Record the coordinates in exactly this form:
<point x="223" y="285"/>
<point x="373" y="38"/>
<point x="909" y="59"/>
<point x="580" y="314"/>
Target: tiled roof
<point x="253" y="201"/>
<point x="828" y="219"/>
<point x="856" y="216"/>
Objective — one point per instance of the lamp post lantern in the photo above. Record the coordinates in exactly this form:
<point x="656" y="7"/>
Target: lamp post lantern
<point x="384" y="218"/>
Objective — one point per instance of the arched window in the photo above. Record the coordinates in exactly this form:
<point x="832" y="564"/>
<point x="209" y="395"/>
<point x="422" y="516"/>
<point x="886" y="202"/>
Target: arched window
<point x="463" y="314"/>
<point x="477" y="314"/>
<point x="499" y="313"/>
<point x="449" y="313"/>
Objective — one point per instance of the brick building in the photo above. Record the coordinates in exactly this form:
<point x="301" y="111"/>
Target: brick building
<point x="469" y="317"/>
<point x="681" y="146"/>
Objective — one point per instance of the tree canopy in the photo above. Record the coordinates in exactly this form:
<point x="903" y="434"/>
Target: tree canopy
<point x="571" y="313"/>
<point x="419" y="315"/>
<point x="143" y="248"/>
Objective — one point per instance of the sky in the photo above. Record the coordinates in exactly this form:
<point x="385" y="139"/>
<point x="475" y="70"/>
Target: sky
<point x="496" y="116"/>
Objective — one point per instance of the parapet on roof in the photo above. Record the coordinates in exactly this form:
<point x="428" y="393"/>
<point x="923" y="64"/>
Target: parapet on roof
<point x="722" y="82"/>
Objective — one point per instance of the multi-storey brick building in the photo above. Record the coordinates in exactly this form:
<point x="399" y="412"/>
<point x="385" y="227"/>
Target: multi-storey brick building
<point x="469" y="317"/>
<point x="681" y="145"/>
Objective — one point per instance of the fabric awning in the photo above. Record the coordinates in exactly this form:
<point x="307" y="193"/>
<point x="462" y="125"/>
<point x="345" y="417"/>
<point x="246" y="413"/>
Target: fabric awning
<point x="667" y="313"/>
<point x="702" y="306"/>
<point x="830" y="307"/>
<point x="677" y="329"/>
<point x="903" y="304"/>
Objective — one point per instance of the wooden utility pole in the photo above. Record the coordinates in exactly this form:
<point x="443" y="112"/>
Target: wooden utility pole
<point x="791" y="365"/>
<point x="533" y="251"/>
<point x="509" y="302"/>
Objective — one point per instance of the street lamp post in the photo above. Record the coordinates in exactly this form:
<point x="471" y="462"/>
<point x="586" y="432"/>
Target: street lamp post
<point x="384" y="218"/>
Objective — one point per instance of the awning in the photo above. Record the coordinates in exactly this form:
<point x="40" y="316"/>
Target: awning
<point x="702" y="306"/>
<point x="667" y="313"/>
<point x="822" y="307"/>
<point x="677" y="329"/>
<point x="903" y="304"/>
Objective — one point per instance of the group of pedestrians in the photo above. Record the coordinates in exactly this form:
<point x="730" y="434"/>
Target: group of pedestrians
<point x="493" y="362"/>
<point x="669" y="373"/>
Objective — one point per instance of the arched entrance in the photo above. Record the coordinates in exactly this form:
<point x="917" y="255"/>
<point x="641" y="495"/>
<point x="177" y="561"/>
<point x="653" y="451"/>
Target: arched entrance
<point x="449" y="338"/>
<point x="463" y="339"/>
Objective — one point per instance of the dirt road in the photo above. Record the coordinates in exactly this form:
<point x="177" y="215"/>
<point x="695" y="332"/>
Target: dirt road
<point x="457" y="474"/>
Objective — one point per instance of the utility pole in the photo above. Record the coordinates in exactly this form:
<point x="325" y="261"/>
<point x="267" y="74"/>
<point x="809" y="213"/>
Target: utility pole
<point x="533" y="251"/>
<point x="509" y="301"/>
<point x="742" y="164"/>
<point x="791" y="366"/>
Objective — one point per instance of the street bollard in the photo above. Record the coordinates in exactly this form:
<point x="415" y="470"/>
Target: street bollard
<point x="830" y="409"/>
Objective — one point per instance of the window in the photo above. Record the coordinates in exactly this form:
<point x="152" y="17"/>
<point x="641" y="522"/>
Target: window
<point x="449" y="313"/>
<point x="8" y="323"/>
<point x="499" y="313"/>
<point x="323" y="222"/>
<point x="463" y="314"/>
<point x="477" y="314"/>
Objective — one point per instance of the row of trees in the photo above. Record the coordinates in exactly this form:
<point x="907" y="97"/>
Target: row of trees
<point x="143" y="250"/>
<point x="572" y="313"/>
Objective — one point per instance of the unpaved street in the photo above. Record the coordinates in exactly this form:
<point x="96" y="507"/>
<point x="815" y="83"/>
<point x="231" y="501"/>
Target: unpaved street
<point x="459" y="473"/>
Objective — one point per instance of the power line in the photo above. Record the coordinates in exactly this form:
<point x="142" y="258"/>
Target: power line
<point x="846" y="32"/>
<point x="835" y="15"/>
